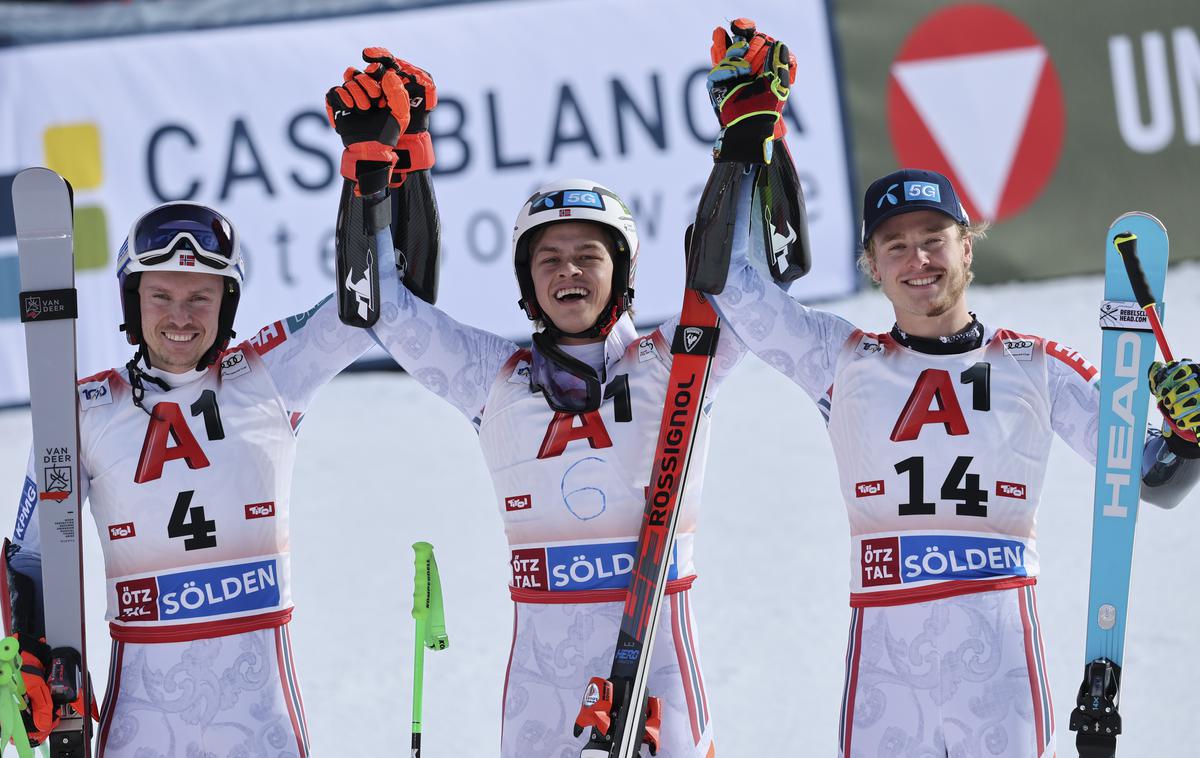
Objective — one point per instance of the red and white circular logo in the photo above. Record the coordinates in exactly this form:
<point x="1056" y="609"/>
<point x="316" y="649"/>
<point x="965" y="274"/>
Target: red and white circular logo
<point x="973" y="94"/>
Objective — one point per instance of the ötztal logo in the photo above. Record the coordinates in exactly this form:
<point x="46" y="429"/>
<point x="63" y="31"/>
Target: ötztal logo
<point x="999" y="145"/>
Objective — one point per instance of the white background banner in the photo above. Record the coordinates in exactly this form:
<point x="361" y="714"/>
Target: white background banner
<point x="529" y="92"/>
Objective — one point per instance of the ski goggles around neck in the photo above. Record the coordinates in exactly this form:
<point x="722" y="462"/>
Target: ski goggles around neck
<point x="170" y="229"/>
<point x="569" y="384"/>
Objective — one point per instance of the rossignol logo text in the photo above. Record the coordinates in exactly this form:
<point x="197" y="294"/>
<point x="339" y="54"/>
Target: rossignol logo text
<point x="670" y="462"/>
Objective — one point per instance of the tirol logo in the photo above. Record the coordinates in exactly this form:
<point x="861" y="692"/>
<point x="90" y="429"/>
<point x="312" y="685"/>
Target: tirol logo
<point x="1010" y="489"/>
<point x="199" y="593"/>
<point x="260" y="510"/>
<point x="518" y="503"/>
<point x="868" y="489"/>
<point x="1001" y="152"/>
<point x="121" y="531"/>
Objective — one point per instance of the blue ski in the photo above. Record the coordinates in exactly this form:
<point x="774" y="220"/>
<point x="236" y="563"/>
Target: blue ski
<point x="1132" y="296"/>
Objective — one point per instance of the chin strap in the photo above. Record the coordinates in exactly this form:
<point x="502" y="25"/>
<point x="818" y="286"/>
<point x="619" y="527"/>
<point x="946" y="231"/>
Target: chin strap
<point x="138" y="377"/>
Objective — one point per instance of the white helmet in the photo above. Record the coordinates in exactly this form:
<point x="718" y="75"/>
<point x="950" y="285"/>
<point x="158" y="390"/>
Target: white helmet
<point x="578" y="200"/>
<point x="188" y="237"/>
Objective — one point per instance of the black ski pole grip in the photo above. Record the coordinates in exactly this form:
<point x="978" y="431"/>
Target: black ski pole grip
<point x="1126" y="243"/>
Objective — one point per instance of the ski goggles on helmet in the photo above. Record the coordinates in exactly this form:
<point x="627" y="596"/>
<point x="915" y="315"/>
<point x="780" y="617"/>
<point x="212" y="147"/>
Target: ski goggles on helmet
<point x="569" y="384"/>
<point x="184" y="228"/>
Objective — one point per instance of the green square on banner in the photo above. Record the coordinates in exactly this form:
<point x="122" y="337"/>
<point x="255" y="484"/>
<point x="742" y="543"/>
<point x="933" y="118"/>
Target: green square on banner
<point x="91" y="238"/>
<point x="10" y="286"/>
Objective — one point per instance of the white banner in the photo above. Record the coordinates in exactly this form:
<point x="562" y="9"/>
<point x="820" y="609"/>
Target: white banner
<point x="529" y="92"/>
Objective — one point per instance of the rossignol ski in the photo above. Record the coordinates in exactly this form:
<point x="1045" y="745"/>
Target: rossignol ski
<point x="1134" y="274"/>
<point x="617" y="710"/>
<point x="42" y="203"/>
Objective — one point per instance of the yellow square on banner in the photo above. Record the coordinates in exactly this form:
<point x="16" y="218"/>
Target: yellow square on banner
<point x="73" y="150"/>
<point x="91" y="238"/>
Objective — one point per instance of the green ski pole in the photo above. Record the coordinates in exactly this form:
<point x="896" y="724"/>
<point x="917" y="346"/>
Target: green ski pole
<point x="12" y="699"/>
<point x="431" y="627"/>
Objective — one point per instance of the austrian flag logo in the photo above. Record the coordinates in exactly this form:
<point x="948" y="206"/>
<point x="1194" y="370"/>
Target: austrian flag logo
<point x="1000" y="150"/>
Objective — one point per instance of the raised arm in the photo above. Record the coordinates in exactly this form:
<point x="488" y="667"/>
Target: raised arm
<point x="305" y="351"/>
<point x="752" y="197"/>
<point x="799" y="342"/>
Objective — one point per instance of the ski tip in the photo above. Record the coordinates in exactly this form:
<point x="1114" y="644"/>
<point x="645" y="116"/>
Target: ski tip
<point x="1128" y="216"/>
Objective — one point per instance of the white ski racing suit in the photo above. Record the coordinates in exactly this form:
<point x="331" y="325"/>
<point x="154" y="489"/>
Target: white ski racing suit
<point x="191" y="504"/>
<point x="941" y="453"/>
<point x="570" y="491"/>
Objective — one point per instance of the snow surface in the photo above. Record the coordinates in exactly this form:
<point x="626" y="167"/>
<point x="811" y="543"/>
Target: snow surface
<point x="771" y="599"/>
